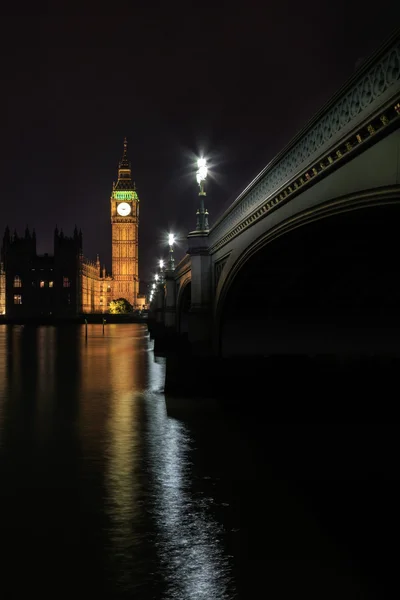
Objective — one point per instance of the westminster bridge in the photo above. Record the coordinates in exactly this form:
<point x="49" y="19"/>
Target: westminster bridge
<point x="306" y="259"/>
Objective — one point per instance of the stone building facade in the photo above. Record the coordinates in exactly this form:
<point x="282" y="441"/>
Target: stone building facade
<point x="96" y="287"/>
<point x="66" y="283"/>
<point x="124" y="203"/>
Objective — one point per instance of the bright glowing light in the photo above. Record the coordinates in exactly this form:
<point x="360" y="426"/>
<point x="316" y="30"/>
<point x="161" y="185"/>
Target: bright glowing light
<point x="125" y="195"/>
<point x="202" y="170"/>
<point x="171" y="239"/>
<point x="161" y="263"/>
<point x="124" y="209"/>
<point x="156" y="276"/>
<point x="154" y="286"/>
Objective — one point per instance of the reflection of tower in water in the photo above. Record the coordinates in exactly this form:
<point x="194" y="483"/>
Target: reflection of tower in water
<point x="110" y="431"/>
<point x="125" y="447"/>
<point x="4" y="352"/>
<point x="44" y="373"/>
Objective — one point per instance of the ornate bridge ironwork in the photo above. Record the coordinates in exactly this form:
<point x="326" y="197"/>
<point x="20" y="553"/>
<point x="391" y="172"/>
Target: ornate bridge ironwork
<point x="368" y="104"/>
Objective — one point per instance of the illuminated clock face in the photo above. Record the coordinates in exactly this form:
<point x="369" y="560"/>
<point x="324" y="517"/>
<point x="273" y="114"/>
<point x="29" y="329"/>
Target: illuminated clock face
<point x="123" y="209"/>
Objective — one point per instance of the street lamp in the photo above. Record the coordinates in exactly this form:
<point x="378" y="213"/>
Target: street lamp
<point x="160" y="274"/>
<point x="171" y="242"/>
<point x="202" y="213"/>
<point x="156" y="277"/>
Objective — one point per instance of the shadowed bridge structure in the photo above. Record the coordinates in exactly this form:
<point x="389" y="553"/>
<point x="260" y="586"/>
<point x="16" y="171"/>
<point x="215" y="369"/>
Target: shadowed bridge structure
<point x="306" y="259"/>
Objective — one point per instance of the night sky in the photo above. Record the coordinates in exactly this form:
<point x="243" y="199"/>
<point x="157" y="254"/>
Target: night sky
<point x="234" y="84"/>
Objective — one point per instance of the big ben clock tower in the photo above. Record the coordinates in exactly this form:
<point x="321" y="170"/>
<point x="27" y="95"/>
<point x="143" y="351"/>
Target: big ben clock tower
<point x="125" y="226"/>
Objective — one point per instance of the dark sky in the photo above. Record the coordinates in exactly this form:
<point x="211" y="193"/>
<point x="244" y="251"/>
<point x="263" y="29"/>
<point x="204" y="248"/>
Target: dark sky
<point x="233" y="81"/>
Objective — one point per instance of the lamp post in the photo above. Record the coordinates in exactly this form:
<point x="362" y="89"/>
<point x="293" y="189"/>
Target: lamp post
<point x="161" y="270"/>
<point x="202" y="213"/>
<point x="171" y="242"/>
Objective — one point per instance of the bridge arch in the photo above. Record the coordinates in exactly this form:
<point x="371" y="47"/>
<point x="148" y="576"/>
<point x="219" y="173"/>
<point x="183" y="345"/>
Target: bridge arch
<point x="183" y="303"/>
<point x="265" y="281"/>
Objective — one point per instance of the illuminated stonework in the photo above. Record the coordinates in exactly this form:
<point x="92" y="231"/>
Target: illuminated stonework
<point x="64" y="284"/>
<point x="125" y="195"/>
<point x="125" y="226"/>
<point x="95" y="286"/>
<point x="67" y="283"/>
<point x="2" y="290"/>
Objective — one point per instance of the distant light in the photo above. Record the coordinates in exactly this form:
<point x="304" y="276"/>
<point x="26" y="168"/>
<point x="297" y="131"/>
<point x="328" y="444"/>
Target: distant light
<point x="156" y="276"/>
<point x="154" y="286"/>
<point x="171" y="239"/>
<point x="161" y="263"/>
<point x="202" y="170"/>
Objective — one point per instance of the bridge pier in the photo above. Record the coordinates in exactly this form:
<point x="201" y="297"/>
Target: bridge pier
<point x="278" y="388"/>
<point x="170" y="301"/>
<point x="200" y="318"/>
<point x="199" y="334"/>
<point x="306" y="250"/>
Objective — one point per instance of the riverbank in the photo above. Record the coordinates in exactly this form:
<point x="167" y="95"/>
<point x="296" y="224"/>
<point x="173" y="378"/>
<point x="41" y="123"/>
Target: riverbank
<point x="78" y="319"/>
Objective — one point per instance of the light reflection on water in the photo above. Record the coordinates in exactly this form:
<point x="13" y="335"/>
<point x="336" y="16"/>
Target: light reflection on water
<point x="85" y="438"/>
<point x="108" y="495"/>
<point x="193" y="560"/>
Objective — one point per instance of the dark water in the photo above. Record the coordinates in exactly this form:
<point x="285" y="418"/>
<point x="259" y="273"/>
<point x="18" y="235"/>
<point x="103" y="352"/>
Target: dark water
<point x="105" y="492"/>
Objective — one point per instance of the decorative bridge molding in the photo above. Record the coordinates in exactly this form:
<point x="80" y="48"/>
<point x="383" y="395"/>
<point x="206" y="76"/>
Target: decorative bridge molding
<point x="366" y="105"/>
<point x="218" y="268"/>
<point x="182" y="267"/>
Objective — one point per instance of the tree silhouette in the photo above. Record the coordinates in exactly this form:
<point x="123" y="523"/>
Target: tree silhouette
<point x="121" y="306"/>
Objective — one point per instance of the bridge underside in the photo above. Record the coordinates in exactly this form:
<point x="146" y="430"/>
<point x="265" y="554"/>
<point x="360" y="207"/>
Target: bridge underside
<point x="329" y="287"/>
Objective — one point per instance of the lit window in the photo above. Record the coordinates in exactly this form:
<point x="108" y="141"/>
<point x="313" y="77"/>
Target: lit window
<point x="66" y="282"/>
<point x="101" y="300"/>
<point x="17" y="281"/>
<point x="18" y="299"/>
<point x="51" y="283"/>
<point x="108" y="288"/>
<point x="42" y="283"/>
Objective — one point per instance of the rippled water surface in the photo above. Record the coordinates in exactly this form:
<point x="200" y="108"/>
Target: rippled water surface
<point x="105" y="492"/>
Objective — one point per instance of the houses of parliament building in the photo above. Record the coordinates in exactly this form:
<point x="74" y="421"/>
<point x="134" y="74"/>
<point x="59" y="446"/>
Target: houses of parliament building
<point x="66" y="284"/>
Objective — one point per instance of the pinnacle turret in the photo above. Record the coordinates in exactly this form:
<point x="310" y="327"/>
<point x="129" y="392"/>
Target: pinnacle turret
<point x="124" y="163"/>
<point x="124" y="172"/>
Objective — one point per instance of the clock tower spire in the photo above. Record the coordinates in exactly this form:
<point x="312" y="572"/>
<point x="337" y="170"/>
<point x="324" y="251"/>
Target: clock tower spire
<point x="125" y="226"/>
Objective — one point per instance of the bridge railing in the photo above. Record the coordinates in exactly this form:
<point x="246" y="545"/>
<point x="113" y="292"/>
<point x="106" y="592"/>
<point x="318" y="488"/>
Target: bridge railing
<point x="372" y="86"/>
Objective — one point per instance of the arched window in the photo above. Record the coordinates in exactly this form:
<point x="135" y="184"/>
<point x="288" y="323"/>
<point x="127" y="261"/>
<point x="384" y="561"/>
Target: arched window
<point x="17" y="281"/>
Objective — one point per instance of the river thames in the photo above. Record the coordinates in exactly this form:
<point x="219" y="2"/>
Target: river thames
<point x="105" y="492"/>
